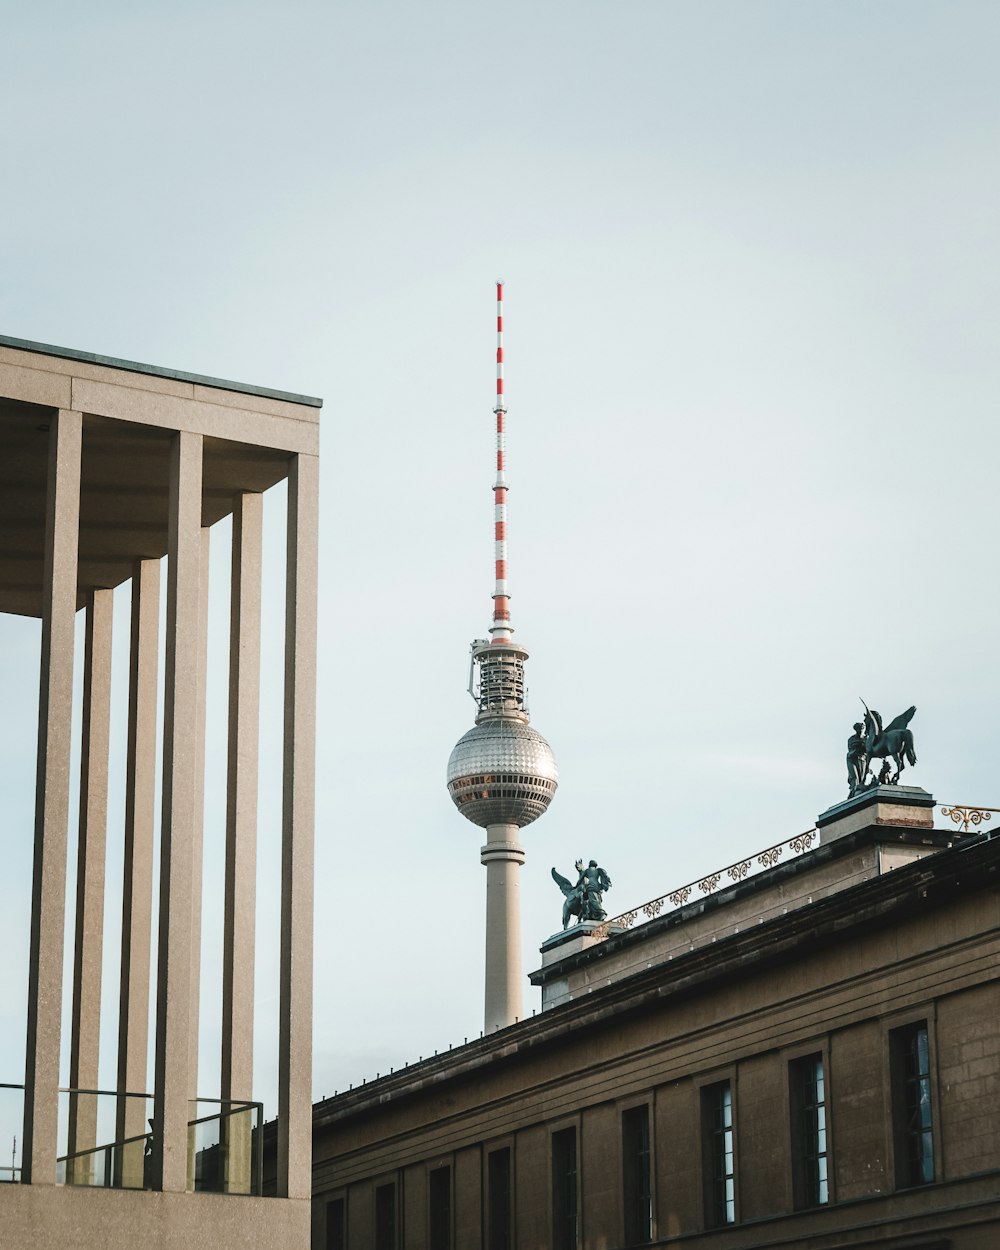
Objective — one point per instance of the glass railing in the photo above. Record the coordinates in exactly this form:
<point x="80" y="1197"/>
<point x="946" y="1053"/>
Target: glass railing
<point x="11" y="1128"/>
<point x="226" y="1147"/>
<point x="225" y="1142"/>
<point x="104" y="1139"/>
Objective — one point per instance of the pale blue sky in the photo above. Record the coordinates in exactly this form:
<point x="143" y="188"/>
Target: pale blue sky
<point x="752" y="278"/>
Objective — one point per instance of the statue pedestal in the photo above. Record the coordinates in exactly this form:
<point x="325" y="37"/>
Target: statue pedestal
<point x="572" y="940"/>
<point x="906" y="807"/>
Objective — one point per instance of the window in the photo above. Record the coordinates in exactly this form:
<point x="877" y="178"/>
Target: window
<point x="564" y="1235"/>
<point x="336" y="1225"/>
<point x="807" y="1089"/>
<point x="439" y="1195"/>
<point x="913" y="1136"/>
<point x="385" y="1217"/>
<point x="498" y="1178"/>
<point x="719" y="1165"/>
<point x="638" y="1198"/>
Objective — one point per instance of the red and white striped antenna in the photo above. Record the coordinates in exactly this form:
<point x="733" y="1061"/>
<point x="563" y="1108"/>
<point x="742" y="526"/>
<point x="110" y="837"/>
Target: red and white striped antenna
<point x="501" y="629"/>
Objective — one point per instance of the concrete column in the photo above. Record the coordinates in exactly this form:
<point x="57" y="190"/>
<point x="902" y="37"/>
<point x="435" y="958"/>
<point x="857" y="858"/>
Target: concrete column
<point x="88" y="955"/>
<point x="197" y="850"/>
<point x="503" y="856"/>
<point x="241" y="835"/>
<point x="48" y="886"/>
<point x="294" y="1178"/>
<point x="197" y="844"/>
<point x="181" y="771"/>
<point x="137" y="888"/>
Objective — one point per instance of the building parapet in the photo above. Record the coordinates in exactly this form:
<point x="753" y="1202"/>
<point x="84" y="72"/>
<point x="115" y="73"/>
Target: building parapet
<point x="872" y="835"/>
<point x="709" y="884"/>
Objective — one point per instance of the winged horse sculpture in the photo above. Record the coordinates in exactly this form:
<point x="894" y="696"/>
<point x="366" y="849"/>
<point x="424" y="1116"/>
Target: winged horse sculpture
<point x="892" y="742"/>
<point x="584" y="899"/>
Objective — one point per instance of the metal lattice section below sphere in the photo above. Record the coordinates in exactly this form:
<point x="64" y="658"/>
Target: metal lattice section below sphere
<point x="502" y="772"/>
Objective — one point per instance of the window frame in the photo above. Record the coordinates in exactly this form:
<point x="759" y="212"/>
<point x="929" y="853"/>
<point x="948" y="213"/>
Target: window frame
<point x="560" y="1127"/>
<point x="627" y="1109"/>
<point x="329" y="1200"/>
<point x="489" y="1150"/>
<point x="902" y="1169"/>
<point x="385" y="1181"/>
<point x="803" y="1198"/>
<point x="710" y="1207"/>
<point x="437" y="1166"/>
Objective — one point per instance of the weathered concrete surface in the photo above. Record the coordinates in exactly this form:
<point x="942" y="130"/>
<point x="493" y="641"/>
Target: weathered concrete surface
<point x="57" y="1218"/>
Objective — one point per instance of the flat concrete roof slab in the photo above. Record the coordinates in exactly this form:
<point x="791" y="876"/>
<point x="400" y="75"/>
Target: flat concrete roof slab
<point x="156" y="371"/>
<point x="125" y="465"/>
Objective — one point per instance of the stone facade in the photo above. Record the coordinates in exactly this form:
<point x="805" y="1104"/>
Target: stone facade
<point x="619" y="1088"/>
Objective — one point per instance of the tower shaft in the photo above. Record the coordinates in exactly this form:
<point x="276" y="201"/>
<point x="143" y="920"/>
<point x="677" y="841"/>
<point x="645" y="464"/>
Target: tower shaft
<point x="503" y="856"/>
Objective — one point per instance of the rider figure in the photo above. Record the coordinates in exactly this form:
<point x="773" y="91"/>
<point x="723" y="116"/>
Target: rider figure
<point x="591" y="884"/>
<point x="857" y="759"/>
<point x="583" y="899"/>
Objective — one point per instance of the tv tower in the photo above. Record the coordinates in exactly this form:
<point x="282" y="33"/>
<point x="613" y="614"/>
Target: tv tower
<point x="502" y="773"/>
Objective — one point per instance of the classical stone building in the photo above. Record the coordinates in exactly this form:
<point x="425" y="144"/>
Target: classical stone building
<point x="107" y="466"/>
<point x="801" y="1051"/>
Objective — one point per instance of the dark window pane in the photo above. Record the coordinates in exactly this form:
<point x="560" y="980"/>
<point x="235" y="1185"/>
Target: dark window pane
<point x="564" y="1236"/>
<point x="913" y="1121"/>
<point x="439" y="1196"/>
<point x="499" y="1200"/>
<point x="385" y="1217"/>
<point x="637" y="1196"/>
<point x="809" y="1140"/>
<point x="336" y="1225"/>
<point x="719" y="1161"/>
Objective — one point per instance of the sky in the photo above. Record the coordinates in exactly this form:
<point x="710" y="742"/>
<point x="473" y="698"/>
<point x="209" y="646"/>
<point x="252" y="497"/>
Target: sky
<point x="752" y="274"/>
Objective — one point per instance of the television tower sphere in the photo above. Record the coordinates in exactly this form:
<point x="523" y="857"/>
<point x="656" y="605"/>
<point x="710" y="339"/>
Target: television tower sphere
<point x="502" y="772"/>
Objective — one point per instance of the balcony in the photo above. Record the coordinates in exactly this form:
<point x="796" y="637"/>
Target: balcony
<point x="106" y="1141"/>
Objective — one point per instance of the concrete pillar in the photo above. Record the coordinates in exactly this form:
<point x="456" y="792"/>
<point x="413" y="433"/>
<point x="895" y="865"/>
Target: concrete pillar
<point x="294" y="1174"/>
<point x="241" y="835"/>
<point x="197" y="853"/>
<point x="197" y="844"/>
<point x="85" y="1023"/>
<point x="503" y="856"/>
<point x="48" y="886"/>
<point x="181" y="771"/>
<point x="137" y="887"/>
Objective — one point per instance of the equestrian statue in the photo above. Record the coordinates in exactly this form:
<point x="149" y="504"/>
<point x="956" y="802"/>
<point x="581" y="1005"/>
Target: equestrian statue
<point x="871" y="741"/>
<point x="584" y="899"/>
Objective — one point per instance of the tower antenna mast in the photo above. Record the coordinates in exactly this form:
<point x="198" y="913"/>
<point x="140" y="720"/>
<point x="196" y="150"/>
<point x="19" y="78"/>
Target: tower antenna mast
<point x="500" y="630"/>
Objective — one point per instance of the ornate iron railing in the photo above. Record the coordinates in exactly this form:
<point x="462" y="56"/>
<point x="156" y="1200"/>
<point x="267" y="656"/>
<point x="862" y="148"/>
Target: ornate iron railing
<point x="705" y="886"/>
<point x="969" y="818"/>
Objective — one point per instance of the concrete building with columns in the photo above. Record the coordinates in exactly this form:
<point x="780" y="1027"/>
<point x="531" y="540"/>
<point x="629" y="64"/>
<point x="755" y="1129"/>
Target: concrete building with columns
<point x="799" y="1050"/>
<point x="107" y="467"/>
